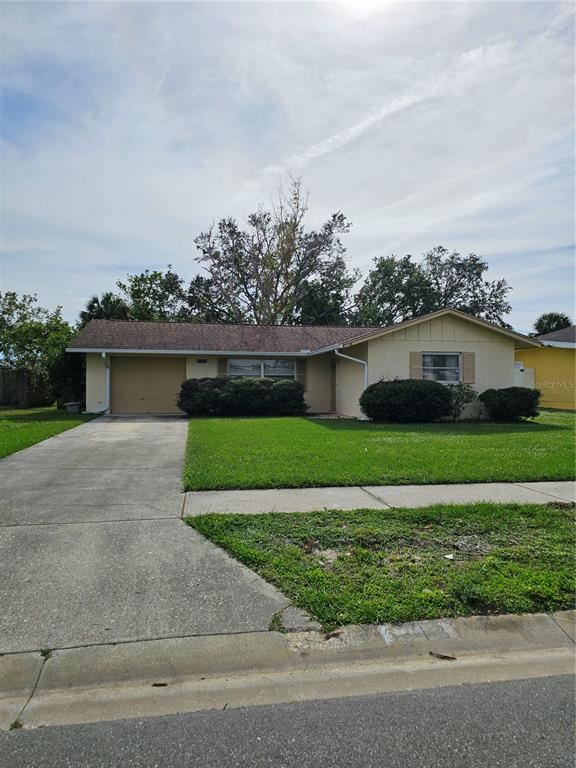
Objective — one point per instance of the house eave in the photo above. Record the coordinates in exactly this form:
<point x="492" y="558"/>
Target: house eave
<point x="186" y="352"/>
<point x="559" y="344"/>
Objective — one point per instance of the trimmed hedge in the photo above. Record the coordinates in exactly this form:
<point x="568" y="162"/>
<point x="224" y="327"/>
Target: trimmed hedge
<point x="242" y="397"/>
<point x="511" y="403"/>
<point x="406" y="400"/>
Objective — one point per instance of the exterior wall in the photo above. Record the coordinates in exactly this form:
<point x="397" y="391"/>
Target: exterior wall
<point x="554" y="373"/>
<point x="389" y="356"/>
<point x="350" y="380"/>
<point x="95" y="383"/>
<point x="195" y="370"/>
<point x="317" y="394"/>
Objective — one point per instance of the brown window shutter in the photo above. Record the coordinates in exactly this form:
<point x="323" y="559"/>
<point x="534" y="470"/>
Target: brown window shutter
<point x="415" y="365"/>
<point x="222" y="366"/>
<point x="301" y="372"/>
<point x="468" y="366"/>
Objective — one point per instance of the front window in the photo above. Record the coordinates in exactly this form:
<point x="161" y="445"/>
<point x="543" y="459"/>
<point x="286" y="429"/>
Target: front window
<point x="279" y="369"/>
<point x="245" y="367"/>
<point x="272" y="369"/>
<point x="442" y="368"/>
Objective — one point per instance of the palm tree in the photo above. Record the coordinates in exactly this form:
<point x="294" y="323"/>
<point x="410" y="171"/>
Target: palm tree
<point x="107" y="307"/>
<point x="551" y="321"/>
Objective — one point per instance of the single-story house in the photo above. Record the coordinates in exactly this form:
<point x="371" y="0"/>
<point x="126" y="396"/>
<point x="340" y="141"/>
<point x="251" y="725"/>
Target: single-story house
<point x="554" y="367"/>
<point x="138" y="367"/>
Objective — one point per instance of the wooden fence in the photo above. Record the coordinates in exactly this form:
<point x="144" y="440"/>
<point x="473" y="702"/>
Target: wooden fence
<point x="16" y="389"/>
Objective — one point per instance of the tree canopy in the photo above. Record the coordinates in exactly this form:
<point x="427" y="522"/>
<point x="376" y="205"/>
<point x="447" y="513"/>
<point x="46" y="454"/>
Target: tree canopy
<point x="109" y="306"/>
<point x="399" y="289"/>
<point x="31" y="337"/>
<point x="550" y="322"/>
<point x="272" y="270"/>
<point x="276" y="270"/>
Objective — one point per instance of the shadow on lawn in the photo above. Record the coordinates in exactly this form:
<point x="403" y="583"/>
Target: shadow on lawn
<point x="42" y="414"/>
<point x="488" y="428"/>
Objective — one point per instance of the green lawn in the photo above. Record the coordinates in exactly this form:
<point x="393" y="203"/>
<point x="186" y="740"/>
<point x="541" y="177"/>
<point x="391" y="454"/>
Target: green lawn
<point x="20" y="428"/>
<point x="372" y="566"/>
<point x="299" y="452"/>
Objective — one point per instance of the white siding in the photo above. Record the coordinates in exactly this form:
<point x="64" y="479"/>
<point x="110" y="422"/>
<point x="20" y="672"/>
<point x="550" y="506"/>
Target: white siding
<point x="350" y="380"/>
<point x="95" y="383"/>
<point x="389" y="355"/>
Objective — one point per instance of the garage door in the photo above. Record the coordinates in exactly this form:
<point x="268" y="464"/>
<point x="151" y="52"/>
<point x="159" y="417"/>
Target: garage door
<point x="146" y="384"/>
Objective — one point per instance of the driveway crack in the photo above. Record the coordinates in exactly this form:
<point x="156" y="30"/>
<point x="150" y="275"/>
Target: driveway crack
<point x="17" y="723"/>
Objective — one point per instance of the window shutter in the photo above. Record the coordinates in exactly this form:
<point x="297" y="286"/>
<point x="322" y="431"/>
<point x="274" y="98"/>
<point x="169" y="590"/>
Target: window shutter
<point x="222" y="367"/>
<point x="415" y="365"/>
<point x="468" y="366"/>
<point x="301" y="372"/>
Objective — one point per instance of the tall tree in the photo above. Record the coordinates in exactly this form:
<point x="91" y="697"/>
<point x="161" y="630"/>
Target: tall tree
<point x="109" y="306"/>
<point x="326" y="299"/>
<point x="262" y="271"/>
<point x="550" y="322"/>
<point x="205" y="302"/>
<point x="31" y="337"/>
<point x="394" y="290"/>
<point x="155" y="295"/>
<point x="401" y="289"/>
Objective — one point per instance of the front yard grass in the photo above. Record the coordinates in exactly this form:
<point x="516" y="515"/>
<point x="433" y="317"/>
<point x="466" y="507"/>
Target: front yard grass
<point x="20" y="428"/>
<point x="298" y="452"/>
<point x="395" y="565"/>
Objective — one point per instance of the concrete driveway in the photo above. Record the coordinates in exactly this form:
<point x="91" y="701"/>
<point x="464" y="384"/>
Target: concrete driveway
<point x="93" y="548"/>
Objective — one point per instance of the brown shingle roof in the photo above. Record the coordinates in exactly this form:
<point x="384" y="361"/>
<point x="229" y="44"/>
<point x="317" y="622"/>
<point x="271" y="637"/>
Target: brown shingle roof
<point x="565" y="335"/>
<point x="207" y="337"/>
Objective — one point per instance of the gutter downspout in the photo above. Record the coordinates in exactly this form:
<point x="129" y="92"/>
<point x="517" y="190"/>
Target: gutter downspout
<point x="355" y="360"/>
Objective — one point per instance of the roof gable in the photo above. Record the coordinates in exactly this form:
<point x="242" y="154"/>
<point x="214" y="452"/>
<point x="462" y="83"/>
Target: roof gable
<point x="521" y="339"/>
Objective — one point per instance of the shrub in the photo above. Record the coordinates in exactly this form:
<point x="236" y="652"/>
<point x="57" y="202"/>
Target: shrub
<point x="241" y="397"/>
<point x="461" y="395"/>
<point x="511" y="403"/>
<point x="246" y="397"/>
<point x="200" y="397"/>
<point x="287" y="398"/>
<point x="407" y="400"/>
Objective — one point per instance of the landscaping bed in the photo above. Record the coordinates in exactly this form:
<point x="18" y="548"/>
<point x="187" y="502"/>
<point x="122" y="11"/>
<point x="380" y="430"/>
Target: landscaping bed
<point x="299" y="452"/>
<point x="393" y="565"/>
<point x="21" y="428"/>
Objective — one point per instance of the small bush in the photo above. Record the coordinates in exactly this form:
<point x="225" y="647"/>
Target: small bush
<point x="461" y="395"/>
<point x="287" y="398"/>
<point x="406" y="400"/>
<point x="200" y="397"/>
<point x="246" y="397"/>
<point x="511" y="403"/>
<point x="241" y="397"/>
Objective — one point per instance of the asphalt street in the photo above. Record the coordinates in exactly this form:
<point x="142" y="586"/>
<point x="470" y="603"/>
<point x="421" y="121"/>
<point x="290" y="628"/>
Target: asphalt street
<point x="526" y="723"/>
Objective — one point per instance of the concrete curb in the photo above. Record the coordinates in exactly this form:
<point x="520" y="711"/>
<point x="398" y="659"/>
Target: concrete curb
<point x="373" y="497"/>
<point x="137" y="679"/>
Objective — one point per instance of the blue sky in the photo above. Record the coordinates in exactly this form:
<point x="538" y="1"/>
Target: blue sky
<point x="128" y="128"/>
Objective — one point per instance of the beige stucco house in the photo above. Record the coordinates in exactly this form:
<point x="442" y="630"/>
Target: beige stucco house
<point x="137" y="367"/>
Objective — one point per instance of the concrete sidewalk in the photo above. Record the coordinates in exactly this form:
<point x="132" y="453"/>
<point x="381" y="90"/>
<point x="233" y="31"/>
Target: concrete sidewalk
<point x="374" y="497"/>
<point x="187" y="674"/>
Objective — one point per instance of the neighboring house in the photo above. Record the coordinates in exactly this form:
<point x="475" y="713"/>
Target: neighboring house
<point x="137" y="367"/>
<point x="554" y="367"/>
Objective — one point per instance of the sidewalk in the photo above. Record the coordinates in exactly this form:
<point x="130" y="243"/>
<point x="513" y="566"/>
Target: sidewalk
<point x="374" y="497"/>
<point x="138" y="679"/>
